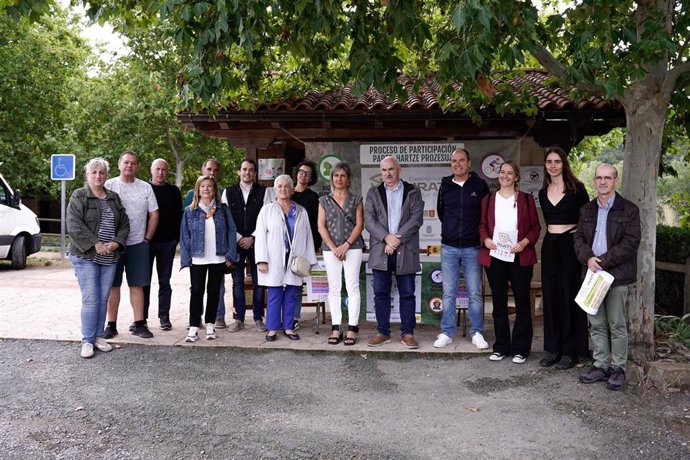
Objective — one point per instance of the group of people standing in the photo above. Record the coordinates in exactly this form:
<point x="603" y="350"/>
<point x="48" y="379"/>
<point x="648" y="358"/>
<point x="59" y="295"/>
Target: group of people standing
<point x="603" y="233"/>
<point x="124" y="224"/>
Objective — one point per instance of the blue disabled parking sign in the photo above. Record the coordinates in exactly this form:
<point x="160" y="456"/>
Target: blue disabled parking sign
<point x="62" y="167"/>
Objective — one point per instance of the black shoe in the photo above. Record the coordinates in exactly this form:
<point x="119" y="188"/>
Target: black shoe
<point x="271" y="338"/>
<point x="133" y="325"/>
<point x="594" y="374"/>
<point x="291" y="336"/>
<point x="142" y="331"/>
<point x="109" y="332"/>
<point x="166" y="325"/>
<point x="549" y="360"/>
<point x="566" y="362"/>
<point x="617" y="379"/>
<point x="295" y="325"/>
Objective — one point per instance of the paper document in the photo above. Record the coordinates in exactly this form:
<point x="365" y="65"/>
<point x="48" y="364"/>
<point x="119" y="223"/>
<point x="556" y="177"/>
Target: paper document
<point x="504" y="240"/>
<point x="593" y="290"/>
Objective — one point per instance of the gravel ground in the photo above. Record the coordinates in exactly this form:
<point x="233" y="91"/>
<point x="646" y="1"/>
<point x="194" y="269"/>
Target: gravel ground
<point x="144" y="402"/>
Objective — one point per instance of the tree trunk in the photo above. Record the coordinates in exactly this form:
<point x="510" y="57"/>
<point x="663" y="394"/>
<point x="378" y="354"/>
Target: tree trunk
<point x="646" y="115"/>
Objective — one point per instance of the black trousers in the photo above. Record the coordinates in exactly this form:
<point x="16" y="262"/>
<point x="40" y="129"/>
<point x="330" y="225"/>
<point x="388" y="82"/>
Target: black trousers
<point x="501" y="273"/>
<point x="565" y="323"/>
<point x="197" y="274"/>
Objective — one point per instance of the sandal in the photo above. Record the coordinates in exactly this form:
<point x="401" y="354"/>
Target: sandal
<point x="351" y="340"/>
<point x="335" y="339"/>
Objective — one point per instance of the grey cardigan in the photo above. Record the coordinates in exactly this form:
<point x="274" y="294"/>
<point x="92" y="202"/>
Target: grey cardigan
<point x="376" y="223"/>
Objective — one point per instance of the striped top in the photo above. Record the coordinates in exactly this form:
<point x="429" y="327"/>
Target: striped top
<point x="106" y="232"/>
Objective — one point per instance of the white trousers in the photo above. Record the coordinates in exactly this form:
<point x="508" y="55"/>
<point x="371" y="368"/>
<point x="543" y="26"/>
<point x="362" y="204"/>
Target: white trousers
<point x="335" y="269"/>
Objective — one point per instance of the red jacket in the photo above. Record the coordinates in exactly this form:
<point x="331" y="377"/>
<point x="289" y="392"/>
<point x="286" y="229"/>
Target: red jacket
<point x="527" y="223"/>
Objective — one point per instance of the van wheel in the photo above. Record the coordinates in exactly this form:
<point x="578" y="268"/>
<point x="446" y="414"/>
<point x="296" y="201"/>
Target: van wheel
<point x="18" y="253"/>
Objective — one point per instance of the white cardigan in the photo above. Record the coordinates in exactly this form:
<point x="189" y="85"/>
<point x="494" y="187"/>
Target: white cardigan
<point x="269" y="244"/>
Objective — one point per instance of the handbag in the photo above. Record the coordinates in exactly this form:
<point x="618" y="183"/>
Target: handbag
<point x="298" y="264"/>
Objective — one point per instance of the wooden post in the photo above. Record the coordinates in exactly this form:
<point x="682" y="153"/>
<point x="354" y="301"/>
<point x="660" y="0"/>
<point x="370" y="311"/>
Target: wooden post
<point x="686" y="288"/>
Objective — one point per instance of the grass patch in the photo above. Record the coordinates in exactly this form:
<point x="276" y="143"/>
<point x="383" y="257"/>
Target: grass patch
<point x="674" y="328"/>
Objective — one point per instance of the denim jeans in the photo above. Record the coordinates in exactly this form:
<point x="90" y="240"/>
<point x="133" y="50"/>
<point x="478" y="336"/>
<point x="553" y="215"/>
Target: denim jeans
<point x="95" y="282"/>
<point x="238" y="296"/>
<point x="382" y="301"/>
<point x="164" y="255"/>
<point x="452" y="260"/>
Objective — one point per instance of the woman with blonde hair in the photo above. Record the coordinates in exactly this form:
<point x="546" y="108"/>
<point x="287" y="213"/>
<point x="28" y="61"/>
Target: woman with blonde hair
<point x="208" y="246"/>
<point x="511" y="212"/>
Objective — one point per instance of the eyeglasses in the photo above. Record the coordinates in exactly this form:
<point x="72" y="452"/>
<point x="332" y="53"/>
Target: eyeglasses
<point x="604" y="178"/>
<point x="304" y="172"/>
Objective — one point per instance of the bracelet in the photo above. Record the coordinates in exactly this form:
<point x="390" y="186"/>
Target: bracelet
<point x="348" y="243"/>
<point x="147" y="240"/>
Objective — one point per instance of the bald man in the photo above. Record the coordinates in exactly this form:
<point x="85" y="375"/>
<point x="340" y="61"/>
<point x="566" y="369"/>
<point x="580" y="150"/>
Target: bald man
<point x="164" y="242"/>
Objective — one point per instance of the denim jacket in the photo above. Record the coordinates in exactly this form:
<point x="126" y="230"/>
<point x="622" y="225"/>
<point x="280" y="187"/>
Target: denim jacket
<point x="192" y="235"/>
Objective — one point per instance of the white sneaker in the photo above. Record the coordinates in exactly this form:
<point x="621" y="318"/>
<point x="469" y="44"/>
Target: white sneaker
<point x="519" y="359"/>
<point x="496" y="356"/>
<point x="210" y="331"/>
<point x="192" y="335"/>
<point x="87" y="350"/>
<point x="102" y="345"/>
<point x="442" y="341"/>
<point x="479" y="342"/>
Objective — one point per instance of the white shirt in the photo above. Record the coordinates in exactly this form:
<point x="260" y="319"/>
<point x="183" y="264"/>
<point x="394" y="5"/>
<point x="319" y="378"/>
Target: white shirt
<point x="505" y="213"/>
<point x="139" y="200"/>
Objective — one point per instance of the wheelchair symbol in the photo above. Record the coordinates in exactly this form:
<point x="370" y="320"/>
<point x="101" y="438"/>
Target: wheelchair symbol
<point x="61" y="170"/>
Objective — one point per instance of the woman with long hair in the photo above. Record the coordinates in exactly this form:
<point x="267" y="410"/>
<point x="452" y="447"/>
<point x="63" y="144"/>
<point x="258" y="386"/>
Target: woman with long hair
<point x="510" y="212"/>
<point x="208" y="246"/>
<point x="98" y="228"/>
<point x="341" y="221"/>
<point x="565" y="324"/>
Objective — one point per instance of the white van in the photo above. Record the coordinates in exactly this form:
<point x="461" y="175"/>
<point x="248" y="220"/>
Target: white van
<point x="20" y="234"/>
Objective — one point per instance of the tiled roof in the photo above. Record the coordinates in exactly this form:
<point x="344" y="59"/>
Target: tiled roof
<point x="548" y="97"/>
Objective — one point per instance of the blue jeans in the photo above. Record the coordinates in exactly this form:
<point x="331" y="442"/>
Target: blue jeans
<point x="452" y="260"/>
<point x="238" y="296"/>
<point x="382" y="301"/>
<point x="164" y="255"/>
<point x="95" y="282"/>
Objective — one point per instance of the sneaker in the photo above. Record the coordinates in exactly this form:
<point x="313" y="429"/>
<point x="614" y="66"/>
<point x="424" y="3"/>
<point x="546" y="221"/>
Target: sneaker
<point x="496" y="356"/>
<point x="594" y="374"/>
<point x="133" y="325"/>
<point x="409" y="341"/>
<point x="236" y="326"/>
<point x="442" y="341"/>
<point x="210" y="331"/>
<point x="519" y="359"/>
<point x="192" y="334"/>
<point x="220" y="323"/>
<point x="260" y="326"/>
<point x="166" y="325"/>
<point x="102" y="345"/>
<point x="379" y="340"/>
<point x="87" y="350"/>
<point x="549" y="360"/>
<point x="479" y="342"/>
<point x="142" y="331"/>
<point x="295" y="325"/>
<point x="109" y="332"/>
<point x="617" y="379"/>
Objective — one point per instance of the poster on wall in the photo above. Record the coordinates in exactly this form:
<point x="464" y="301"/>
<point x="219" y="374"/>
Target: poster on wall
<point x="531" y="178"/>
<point x="409" y="153"/>
<point x="270" y="168"/>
